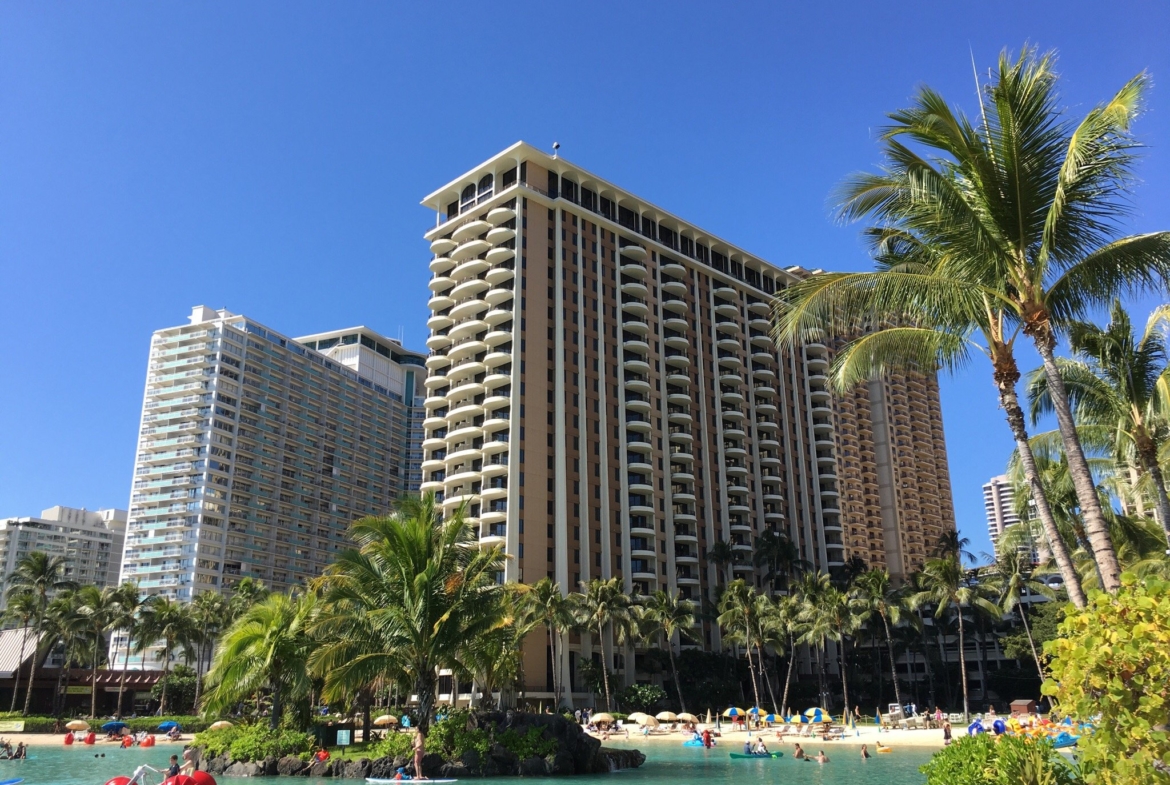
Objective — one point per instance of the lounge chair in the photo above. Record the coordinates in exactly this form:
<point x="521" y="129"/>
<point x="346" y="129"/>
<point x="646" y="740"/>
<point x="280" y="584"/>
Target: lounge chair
<point x="784" y="731"/>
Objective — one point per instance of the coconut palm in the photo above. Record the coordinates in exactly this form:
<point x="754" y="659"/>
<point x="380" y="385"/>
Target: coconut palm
<point x="267" y="648"/>
<point x="42" y="576"/>
<point x="208" y="610"/>
<point x="945" y="586"/>
<point x="785" y="620"/>
<point x="1009" y="222"/>
<point x="99" y="607"/>
<point x="875" y="594"/>
<point x="125" y="618"/>
<point x="404" y="603"/>
<point x="829" y="614"/>
<point x="1011" y="577"/>
<point x="66" y="626"/>
<point x="164" y="619"/>
<point x="1121" y="383"/>
<point x="666" y="615"/>
<point x="602" y="604"/>
<point x="722" y="555"/>
<point x="21" y="608"/>
<point x="245" y="593"/>
<point x="779" y="557"/>
<point x="738" y="616"/>
<point x="553" y="609"/>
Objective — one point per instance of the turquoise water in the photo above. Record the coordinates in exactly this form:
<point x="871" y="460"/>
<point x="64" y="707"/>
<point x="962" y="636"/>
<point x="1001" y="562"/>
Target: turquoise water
<point x="665" y="765"/>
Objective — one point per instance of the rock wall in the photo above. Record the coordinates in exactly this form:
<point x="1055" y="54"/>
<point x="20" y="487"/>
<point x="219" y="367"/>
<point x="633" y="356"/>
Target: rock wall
<point x="577" y="753"/>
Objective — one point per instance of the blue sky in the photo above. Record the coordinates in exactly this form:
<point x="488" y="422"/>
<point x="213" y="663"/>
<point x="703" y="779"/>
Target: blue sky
<point x="270" y="157"/>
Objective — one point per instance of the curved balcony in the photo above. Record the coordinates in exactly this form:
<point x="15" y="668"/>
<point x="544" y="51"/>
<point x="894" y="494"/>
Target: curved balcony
<point x="634" y="306"/>
<point x="683" y="534"/>
<point x="637" y="404"/>
<point x="727" y="344"/>
<point x="499" y="295"/>
<point x="728" y="327"/>
<point x="636" y="383"/>
<point x="433" y="401"/>
<point x="636" y="364"/>
<point x="637" y="423"/>
<point x="431" y="486"/>
<point x="453" y="503"/>
<point x="500" y="274"/>
<point x="734" y="431"/>
<point x="433" y="464"/>
<point x="732" y="414"/>
<point x="472" y="268"/>
<point x="467" y="350"/>
<point x="684" y="515"/>
<point x="726" y="309"/>
<point x="634" y="445"/>
<point x="764" y="391"/>
<point x="441" y="245"/>
<point x="433" y="422"/>
<point x="674" y="269"/>
<point x="674" y="287"/>
<point x="766" y="407"/>
<point x="440" y="284"/>
<point x="463" y="433"/>
<point x="438" y="342"/>
<point x="491" y="518"/>
<point x="467" y="365"/>
<point x="498" y="315"/>
<point x="730" y="379"/>
<point x="762" y="342"/>
<point x="768" y="442"/>
<point x="761" y="307"/>
<point x="497" y="444"/>
<point x="773" y="517"/>
<point x="465" y="389"/>
<point x="442" y="264"/>
<point x="466" y="328"/>
<point x="684" y="475"/>
<point x="500" y="215"/>
<point x="463" y="455"/>
<point x="678" y="399"/>
<point x="737" y="487"/>
<point x="826" y="458"/>
<point x="675" y="323"/>
<point x="678" y="378"/>
<point x="469" y="230"/>
<point x="468" y="308"/>
<point x="681" y="454"/>
<point x="726" y="293"/>
<point x="769" y="461"/>
<point x="738" y="507"/>
<point x="439" y="321"/>
<point x="499" y="254"/>
<point x="458" y="478"/>
<point x="492" y="494"/>
<point x="677" y="358"/>
<point x="440" y="302"/>
<point x="766" y="424"/>
<point x="490" y="470"/>
<point x="740" y="526"/>
<point x="738" y="472"/>
<point x="816" y="362"/>
<point x="436" y="383"/>
<point x="732" y="361"/>
<point x="674" y="305"/>
<point x="633" y="270"/>
<point x="679" y="418"/>
<point x="686" y="496"/>
<point x="763" y="374"/>
<point x="501" y="234"/>
<point x="734" y="397"/>
<point x="636" y="345"/>
<point x="820" y="396"/>
<point x="635" y="289"/>
<point x="470" y="249"/>
<point x="677" y="342"/>
<point x="734" y="451"/>
<point x="495" y="338"/>
<point x="635" y="324"/>
<point x="681" y="437"/>
<point x="759" y="357"/>
<point x="635" y="252"/>
<point x="436" y="361"/>
<point x="642" y="507"/>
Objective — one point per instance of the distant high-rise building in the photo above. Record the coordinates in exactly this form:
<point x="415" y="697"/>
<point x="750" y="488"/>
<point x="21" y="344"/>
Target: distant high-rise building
<point x="606" y="399"/>
<point x="1001" y="511"/>
<point x="89" y="540"/>
<point x="257" y="451"/>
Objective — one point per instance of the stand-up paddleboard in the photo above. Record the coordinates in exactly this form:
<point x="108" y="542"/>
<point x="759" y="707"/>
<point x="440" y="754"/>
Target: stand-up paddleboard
<point x="753" y="755"/>
<point x="12" y="782"/>
<point x="375" y="781"/>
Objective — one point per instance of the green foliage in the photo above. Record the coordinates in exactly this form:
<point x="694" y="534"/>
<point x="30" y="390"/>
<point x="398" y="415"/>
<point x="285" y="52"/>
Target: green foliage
<point x="533" y="743"/>
<point x="254" y="742"/>
<point x="395" y="745"/>
<point x="1009" y="760"/>
<point x="42" y="724"/>
<point x="452" y="736"/>
<point x="180" y="686"/>
<point x="641" y="697"/>
<point x="1045" y="618"/>
<point x="1111" y="666"/>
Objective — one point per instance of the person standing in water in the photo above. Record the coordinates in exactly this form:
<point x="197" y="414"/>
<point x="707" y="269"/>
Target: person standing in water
<point x="822" y="757"/>
<point x="798" y="753"/>
<point x="420" y="750"/>
<point x="865" y="752"/>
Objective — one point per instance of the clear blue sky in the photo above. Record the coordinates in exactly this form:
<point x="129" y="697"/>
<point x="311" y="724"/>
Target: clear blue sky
<point x="269" y="158"/>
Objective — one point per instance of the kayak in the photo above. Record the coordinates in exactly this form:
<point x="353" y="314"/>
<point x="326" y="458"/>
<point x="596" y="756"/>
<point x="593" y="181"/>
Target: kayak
<point x="12" y="782"/>
<point x="769" y="755"/>
<point x="693" y="743"/>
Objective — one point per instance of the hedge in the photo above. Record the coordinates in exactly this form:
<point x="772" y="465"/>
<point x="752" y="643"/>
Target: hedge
<point x="41" y="724"/>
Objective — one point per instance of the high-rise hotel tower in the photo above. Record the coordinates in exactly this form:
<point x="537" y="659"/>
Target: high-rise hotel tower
<point x="257" y="451"/>
<point x="604" y="396"/>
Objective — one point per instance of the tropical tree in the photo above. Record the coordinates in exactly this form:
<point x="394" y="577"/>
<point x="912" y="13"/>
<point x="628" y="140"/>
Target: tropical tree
<point x="42" y="576"/>
<point x="245" y="593"/>
<point x="829" y="614"/>
<point x="945" y="586"/>
<point x="722" y="555"/>
<point x="1011" y="577"/>
<point x="405" y="602"/>
<point x="21" y="608"/>
<point x="600" y="605"/>
<point x="209" y="609"/>
<point x="785" y="620"/>
<point x="779" y="557"/>
<point x="125" y="618"/>
<point x="997" y="227"/>
<point x="875" y="594"/>
<point x="267" y="648"/>
<point x="666" y="615"/>
<point x="1119" y="383"/>
<point x="738" y="616"/>
<point x="554" y="611"/>
<point x="99" y="607"/>
<point x="66" y="626"/>
<point x="164" y="619"/>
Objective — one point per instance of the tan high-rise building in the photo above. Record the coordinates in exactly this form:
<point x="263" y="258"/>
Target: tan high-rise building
<point x="604" y="395"/>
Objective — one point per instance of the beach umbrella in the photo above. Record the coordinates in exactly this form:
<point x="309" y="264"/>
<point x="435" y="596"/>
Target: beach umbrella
<point x="754" y="710"/>
<point x="667" y="716"/>
<point x="221" y="725"/>
<point x="733" y="712"/>
<point x="77" y="725"/>
<point x="386" y="719"/>
<point x="685" y="717"/>
<point x="770" y="718"/>
<point x="109" y="727"/>
<point x="816" y="715"/>
<point x="603" y="717"/>
<point x="708" y="716"/>
<point x="637" y="717"/>
<point x="649" y="722"/>
<point x="168" y="725"/>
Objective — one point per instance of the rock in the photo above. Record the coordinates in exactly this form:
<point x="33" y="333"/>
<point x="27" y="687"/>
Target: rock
<point x="431" y="763"/>
<point x="239" y="769"/>
<point x="455" y="771"/>
<point x="268" y="767"/>
<point x="503" y="762"/>
<point x="533" y="767"/>
<point x="321" y="768"/>
<point x="290" y="766"/>
<point x="621" y="759"/>
<point x="470" y="760"/>
<point x="562" y="763"/>
<point x="353" y="769"/>
<point x="385" y="768"/>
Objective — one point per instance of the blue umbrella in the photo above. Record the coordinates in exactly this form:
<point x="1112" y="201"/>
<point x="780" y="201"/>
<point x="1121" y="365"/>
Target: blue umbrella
<point x="770" y="718"/>
<point x="168" y="725"/>
<point x="113" y="726"/>
<point x="754" y="710"/>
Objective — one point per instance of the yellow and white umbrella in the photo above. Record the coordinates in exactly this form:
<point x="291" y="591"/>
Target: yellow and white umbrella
<point x="637" y="717"/>
<point x="734" y="712"/>
<point x="221" y="725"/>
<point x="603" y="717"/>
<point x="686" y="717"/>
<point x="667" y="716"/>
<point x="648" y="721"/>
<point x="77" y="725"/>
<point x="386" y="719"/>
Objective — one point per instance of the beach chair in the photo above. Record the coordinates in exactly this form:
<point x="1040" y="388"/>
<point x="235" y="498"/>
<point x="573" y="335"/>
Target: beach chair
<point x="805" y="731"/>
<point x="954" y="718"/>
<point x="784" y="731"/>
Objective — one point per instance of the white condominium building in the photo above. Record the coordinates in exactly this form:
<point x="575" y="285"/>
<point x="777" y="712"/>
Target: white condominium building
<point x="90" y="541"/>
<point x="257" y="451"/>
<point x="1001" y="513"/>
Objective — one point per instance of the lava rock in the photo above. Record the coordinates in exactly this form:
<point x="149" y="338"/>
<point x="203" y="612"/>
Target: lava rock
<point x="290" y="766"/>
<point x="533" y="767"/>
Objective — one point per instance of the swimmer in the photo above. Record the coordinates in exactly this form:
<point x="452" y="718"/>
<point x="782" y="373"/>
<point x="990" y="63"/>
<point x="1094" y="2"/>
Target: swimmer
<point x="822" y="757"/>
<point x="865" y="752"/>
<point x="798" y="753"/>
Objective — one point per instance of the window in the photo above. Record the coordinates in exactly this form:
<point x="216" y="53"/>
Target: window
<point x="467" y="198"/>
<point x="486" y="187"/>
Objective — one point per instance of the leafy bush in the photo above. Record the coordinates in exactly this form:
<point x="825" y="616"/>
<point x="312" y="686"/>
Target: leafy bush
<point x="395" y="745"/>
<point x="42" y="724"/>
<point x="451" y="737"/>
<point x="641" y="697"/>
<point x="1111" y="667"/>
<point x="180" y="688"/>
<point x="1008" y="760"/>
<point x="527" y="745"/>
<point x="254" y="742"/>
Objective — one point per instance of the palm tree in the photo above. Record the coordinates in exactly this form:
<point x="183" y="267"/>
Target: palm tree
<point x="737" y="617"/>
<point x="1011" y="577"/>
<point x="169" y="621"/>
<point x="999" y="227"/>
<point x="829" y="615"/>
<point x="778" y="556"/>
<point x="267" y="648"/>
<point x="22" y="608"/>
<point x="553" y="609"/>
<point x="208" y="610"/>
<point x="786" y="620"/>
<point x="1120" y="384"/>
<point x="602" y="604"/>
<point x="667" y="615"/>
<point x="66" y="625"/>
<point x="406" y="601"/>
<point x="245" y="593"/>
<point x="945" y="586"/>
<point x="128" y="604"/>
<point x="42" y="576"/>
<point x="722" y="555"/>
<point x="99" y="607"/>
<point x="875" y="594"/>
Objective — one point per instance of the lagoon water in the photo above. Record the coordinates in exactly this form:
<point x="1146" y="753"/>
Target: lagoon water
<point x="665" y="765"/>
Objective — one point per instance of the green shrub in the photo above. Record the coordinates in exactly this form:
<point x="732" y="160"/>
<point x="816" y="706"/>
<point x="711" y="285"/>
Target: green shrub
<point x="1111" y="667"/>
<point x="395" y="745"/>
<point x="1008" y="760"/>
<point x="450" y="737"/>
<point x="254" y="742"/>
<point x="526" y="745"/>
<point x="42" y="724"/>
<point x="641" y="697"/>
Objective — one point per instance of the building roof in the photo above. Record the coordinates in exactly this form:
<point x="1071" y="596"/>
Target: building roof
<point x="10" y="644"/>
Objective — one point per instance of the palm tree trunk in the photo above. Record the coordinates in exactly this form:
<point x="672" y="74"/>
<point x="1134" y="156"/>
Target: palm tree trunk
<point x="677" y="686"/>
<point x="604" y="666"/>
<point x="1150" y="459"/>
<point x="821" y="655"/>
<point x="963" y="666"/>
<point x="752" y="673"/>
<point x="122" y="681"/>
<point x="844" y="679"/>
<point x="1005" y="381"/>
<point x="59" y="698"/>
<point x="199" y="675"/>
<point x="942" y="654"/>
<point x="767" y="678"/>
<point x="19" y="663"/>
<point x="1096" y="527"/>
<point x="552" y="653"/>
<point x="1031" y="643"/>
<point x="162" y="702"/>
<point x="93" y="678"/>
<point x="32" y="677"/>
<point x="893" y="667"/>
<point x="788" y="677"/>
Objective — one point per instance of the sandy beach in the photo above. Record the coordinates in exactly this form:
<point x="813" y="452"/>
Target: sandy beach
<point x="733" y="740"/>
<point x="58" y="740"/>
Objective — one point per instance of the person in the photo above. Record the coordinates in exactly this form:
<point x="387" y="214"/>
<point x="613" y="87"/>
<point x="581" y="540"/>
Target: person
<point x="22" y="751"/>
<point x="173" y="769"/>
<point x="420" y="750"/>
<point x="882" y="748"/>
<point x="857" y="713"/>
<point x="938" y="715"/>
<point x="946" y="734"/>
<point x="761" y="748"/>
<point x="322" y="755"/>
<point x="401" y="774"/>
<point x="188" y="760"/>
<point x="174" y="734"/>
<point x="577" y="716"/>
<point x="822" y="757"/>
<point x="991" y="711"/>
<point x="707" y="738"/>
<point x="140" y="772"/>
<point x="747" y="747"/>
<point x="798" y="753"/>
<point x="865" y="752"/>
